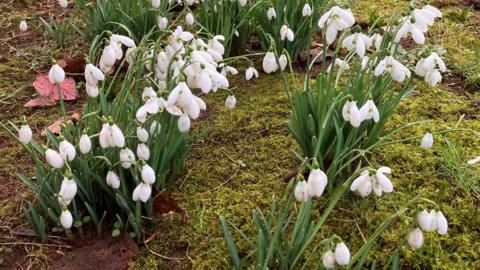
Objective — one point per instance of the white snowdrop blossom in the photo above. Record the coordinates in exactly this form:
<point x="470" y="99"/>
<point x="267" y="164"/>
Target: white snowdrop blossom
<point x="271" y="13"/>
<point x="148" y="174"/>
<point x="127" y="158"/>
<point x="184" y="123"/>
<point x="307" y="10"/>
<point x="397" y="70"/>
<point x="63" y="3"/>
<point x="25" y="134"/>
<point x="23" y="26"/>
<point x="317" y="181"/>
<point x="377" y="40"/>
<point x="142" y="192"/>
<point x="93" y="74"/>
<point x="301" y="191"/>
<point x="473" y="161"/>
<point x="335" y="20"/>
<point x="342" y="254"/>
<point x="250" y="73"/>
<point x="427" y="141"/>
<point x="56" y="74"/>
<point x="377" y="181"/>
<point x="352" y="114"/>
<point x="270" y="63"/>
<point x="230" y="102"/>
<point x="67" y="150"/>
<point x="111" y="136"/>
<point x="283" y="61"/>
<point x="54" y="159"/>
<point x="155" y="3"/>
<point x="410" y="28"/>
<point x="358" y="42"/>
<point x="108" y="58"/>
<point x="328" y="260"/>
<point x="369" y="111"/>
<point x="112" y="180"/>
<point x="189" y="19"/>
<point x="340" y="63"/>
<point x="142" y="134"/>
<point x="415" y="239"/>
<point x="68" y="190"/>
<point x="162" y="23"/>
<point x="242" y="2"/>
<point x="286" y="32"/>
<point x="143" y="152"/>
<point x="441" y="223"/>
<point x="426" y="221"/>
<point x="429" y="68"/>
<point x="66" y="219"/>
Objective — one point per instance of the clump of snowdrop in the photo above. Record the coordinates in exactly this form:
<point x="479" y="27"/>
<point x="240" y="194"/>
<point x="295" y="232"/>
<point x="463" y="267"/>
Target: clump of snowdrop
<point x="430" y="69"/>
<point x="286" y="32"/>
<point x="340" y="256"/>
<point x="427" y="222"/>
<point x="416" y="24"/>
<point x="314" y="187"/>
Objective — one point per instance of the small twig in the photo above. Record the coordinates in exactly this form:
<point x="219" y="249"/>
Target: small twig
<point x="160" y="255"/>
<point x="360" y="230"/>
<point x="34" y="244"/>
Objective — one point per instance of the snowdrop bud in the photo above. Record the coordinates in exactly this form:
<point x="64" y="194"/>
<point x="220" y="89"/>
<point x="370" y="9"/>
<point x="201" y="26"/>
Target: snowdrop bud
<point x="190" y="19"/>
<point x="184" y="123"/>
<point x="66" y="219"/>
<point x="56" y="74"/>
<point x="427" y="141"/>
<point x="425" y="220"/>
<point x="250" y="72"/>
<point x="155" y="128"/>
<point x="242" y="2"/>
<point x="155" y="3"/>
<point x="328" y="260"/>
<point x="148" y="174"/>
<point x="230" y="102"/>
<point x="113" y="180"/>
<point x="127" y="157"/>
<point x="25" y="134"/>
<point x="68" y="190"/>
<point x="142" y="192"/>
<point x="23" y="26"/>
<point x="92" y="90"/>
<point x="162" y="23"/>
<point x="342" y="254"/>
<point x="415" y="239"/>
<point x="117" y="136"/>
<point x="143" y="152"/>
<point x="283" y="61"/>
<point x="442" y="223"/>
<point x="474" y="161"/>
<point x="301" y="191"/>
<point x="63" y="3"/>
<point x="142" y="134"/>
<point x="54" y="159"/>
<point x="307" y="11"/>
<point x="317" y="181"/>
<point x="85" y="144"/>
<point x="271" y="13"/>
<point x="269" y="63"/>
<point x="67" y="150"/>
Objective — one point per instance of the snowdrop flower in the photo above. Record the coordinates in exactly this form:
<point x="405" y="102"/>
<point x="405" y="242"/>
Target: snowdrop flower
<point x="426" y="221"/>
<point x="155" y="128"/>
<point x="338" y="62"/>
<point x="162" y="23"/>
<point x="93" y="74"/>
<point x="328" y="260"/>
<point x="142" y="134"/>
<point x="242" y="2"/>
<point x="117" y="136"/>
<point x="441" y="222"/>
<point x="335" y="20"/>
<point x="148" y="93"/>
<point x="271" y="13"/>
<point x="67" y="150"/>
<point x="307" y="10"/>
<point x="286" y="32"/>
<point x="230" y="102"/>
<point x="430" y="68"/>
<point x="143" y="152"/>
<point x="68" y="190"/>
<point x="301" y="191"/>
<point x="108" y="58"/>
<point x="352" y="114"/>
<point x="415" y="239"/>
<point x="142" y="192"/>
<point x="155" y="3"/>
<point x="474" y="161"/>
<point x="56" y="74"/>
<point x="122" y="40"/>
<point x="250" y="73"/>
<point x="190" y="19"/>
<point x="148" y="174"/>
<point x="342" y="254"/>
<point x="270" y="63"/>
<point x="66" y="219"/>
<point x="25" y="134"/>
<point x="105" y="137"/>
<point x="113" y="180"/>
<point x="427" y="141"/>
<point x="377" y="40"/>
<point x="92" y="90"/>
<point x="410" y="28"/>
<point x="283" y="61"/>
<point x="54" y="159"/>
<point x="358" y="42"/>
<point x="127" y="158"/>
<point x="397" y="71"/>
<point x="370" y="111"/>
<point x="63" y="3"/>
<point x="23" y="26"/>
<point x="184" y="123"/>
<point x="229" y="69"/>
<point x="317" y="181"/>
<point x="364" y="62"/>
<point x="378" y="182"/>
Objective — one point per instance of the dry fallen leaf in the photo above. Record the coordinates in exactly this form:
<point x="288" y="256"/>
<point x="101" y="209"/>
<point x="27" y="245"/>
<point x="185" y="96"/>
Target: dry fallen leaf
<point x="164" y="204"/>
<point x="56" y="127"/>
<point x="72" y="65"/>
<point x="40" y="102"/>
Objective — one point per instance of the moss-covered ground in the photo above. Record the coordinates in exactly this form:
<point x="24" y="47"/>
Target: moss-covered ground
<point x="239" y="166"/>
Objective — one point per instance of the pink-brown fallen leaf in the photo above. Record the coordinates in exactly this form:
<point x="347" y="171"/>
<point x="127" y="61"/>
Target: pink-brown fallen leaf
<point x="164" y="204"/>
<point x="56" y="127"/>
<point x="40" y="102"/>
<point x="47" y="89"/>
